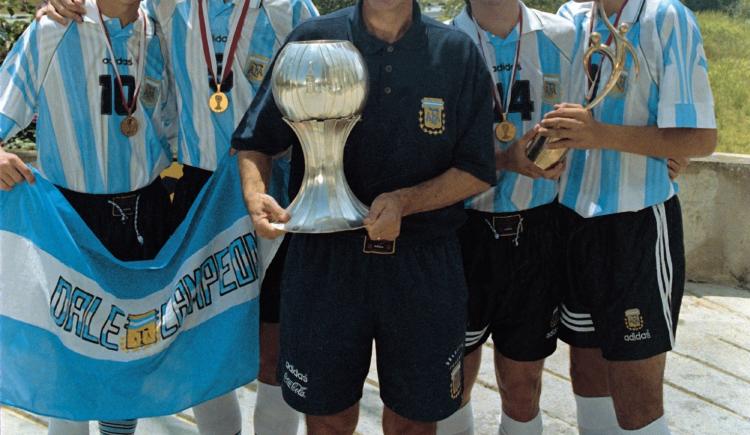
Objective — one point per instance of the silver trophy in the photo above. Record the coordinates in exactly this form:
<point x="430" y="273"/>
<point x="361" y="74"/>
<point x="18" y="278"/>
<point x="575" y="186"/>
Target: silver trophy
<point x="320" y="88"/>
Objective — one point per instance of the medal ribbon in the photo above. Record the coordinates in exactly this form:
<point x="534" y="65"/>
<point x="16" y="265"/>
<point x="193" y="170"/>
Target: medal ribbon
<point x="140" y="61"/>
<point x="502" y="109"/>
<point x="591" y="92"/>
<point x="208" y="48"/>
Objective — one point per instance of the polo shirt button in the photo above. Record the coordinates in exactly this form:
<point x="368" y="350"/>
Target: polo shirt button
<point x="388" y="68"/>
<point x="390" y="49"/>
<point x="387" y="90"/>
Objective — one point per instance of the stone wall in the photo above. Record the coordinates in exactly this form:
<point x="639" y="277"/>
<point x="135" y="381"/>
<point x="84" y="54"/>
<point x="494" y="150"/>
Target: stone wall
<point x="715" y="196"/>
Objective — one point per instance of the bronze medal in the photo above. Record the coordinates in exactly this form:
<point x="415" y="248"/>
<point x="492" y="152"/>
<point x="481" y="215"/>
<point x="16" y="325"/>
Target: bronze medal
<point x="218" y="102"/>
<point x="129" y="126"/>
<point x="505" y="131"/>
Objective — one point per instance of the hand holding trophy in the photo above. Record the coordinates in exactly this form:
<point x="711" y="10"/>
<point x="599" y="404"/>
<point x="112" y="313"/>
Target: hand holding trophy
<point x="537" y="150"/>
<point x="320" y="87"/>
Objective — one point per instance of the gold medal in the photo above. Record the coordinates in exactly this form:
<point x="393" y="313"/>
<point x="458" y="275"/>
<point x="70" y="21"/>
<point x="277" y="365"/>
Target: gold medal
<point x="218" y="102"/>
<point x="129" y="126"/>
<point x="505" y="131"/>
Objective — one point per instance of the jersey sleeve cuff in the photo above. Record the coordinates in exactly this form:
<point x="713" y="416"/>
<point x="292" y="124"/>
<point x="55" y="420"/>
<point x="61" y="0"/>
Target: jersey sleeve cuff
<point x="696" y="115"/>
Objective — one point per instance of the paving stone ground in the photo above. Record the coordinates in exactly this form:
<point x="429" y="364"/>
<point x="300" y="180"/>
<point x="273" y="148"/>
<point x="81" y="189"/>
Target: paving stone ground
<point x="707" y="387"/>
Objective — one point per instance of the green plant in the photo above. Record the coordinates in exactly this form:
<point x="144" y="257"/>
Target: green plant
<point x="728" y="53"/>
<point x="15" y="16"/>
<point x="328" y="6"/>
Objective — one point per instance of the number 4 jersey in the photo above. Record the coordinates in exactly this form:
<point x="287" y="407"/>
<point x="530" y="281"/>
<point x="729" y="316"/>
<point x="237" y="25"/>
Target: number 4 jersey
<point x="65" y="75"/>
<point x="541" y="81"/>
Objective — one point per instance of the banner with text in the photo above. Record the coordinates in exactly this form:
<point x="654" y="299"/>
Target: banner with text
<point x="85" y="336"/>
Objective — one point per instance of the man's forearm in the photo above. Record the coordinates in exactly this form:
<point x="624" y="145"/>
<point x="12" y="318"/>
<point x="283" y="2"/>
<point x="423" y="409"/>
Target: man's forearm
<point x="452" y="186"/>
<point x="255" y="171"/>
<point x="659" y="142"/>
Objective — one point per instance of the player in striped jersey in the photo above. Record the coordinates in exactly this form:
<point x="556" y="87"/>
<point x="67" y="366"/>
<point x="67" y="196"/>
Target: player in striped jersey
<point x="105" y="108"/>
<point x="205" y="134"/>
<point x="510" y="237"/>
<point x="623" y="225"/>
<point x="257" y="29"/>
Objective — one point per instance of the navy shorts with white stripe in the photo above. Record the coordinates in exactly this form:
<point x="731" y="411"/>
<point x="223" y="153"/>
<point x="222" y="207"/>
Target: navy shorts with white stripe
<point x="626" y="278"/>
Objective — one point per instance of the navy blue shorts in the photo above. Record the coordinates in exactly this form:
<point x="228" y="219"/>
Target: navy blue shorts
<point x="626" y="278"/>
<point x="336" y="300"/>
<point x="514" y="270"/>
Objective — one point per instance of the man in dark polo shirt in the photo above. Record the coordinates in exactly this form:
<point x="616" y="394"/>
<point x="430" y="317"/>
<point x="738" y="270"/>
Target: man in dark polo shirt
<point x="338" y="293"/>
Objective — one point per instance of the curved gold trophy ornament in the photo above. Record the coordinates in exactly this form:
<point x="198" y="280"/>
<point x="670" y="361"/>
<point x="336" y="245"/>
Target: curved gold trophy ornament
<point x="320" y="87"/>
<point x="536" y="150"/>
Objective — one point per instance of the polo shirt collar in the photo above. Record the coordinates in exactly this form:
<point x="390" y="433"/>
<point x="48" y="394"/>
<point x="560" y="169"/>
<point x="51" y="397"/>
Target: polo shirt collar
<point x="414" y="38"/>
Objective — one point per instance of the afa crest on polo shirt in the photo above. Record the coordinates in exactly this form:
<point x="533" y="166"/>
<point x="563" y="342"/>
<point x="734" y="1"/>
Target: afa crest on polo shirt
<point x="432" y="116"/>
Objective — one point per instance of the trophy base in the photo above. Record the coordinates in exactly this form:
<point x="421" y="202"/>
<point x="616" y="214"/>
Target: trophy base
<point x="549" y="158"/>
<point x="324" y="208"/>
<point x="321" y="226"/>
<point x="542" y="156"/>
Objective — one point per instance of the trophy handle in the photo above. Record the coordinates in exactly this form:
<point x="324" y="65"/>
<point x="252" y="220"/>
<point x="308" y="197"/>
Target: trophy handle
<point x="617" y="57"/>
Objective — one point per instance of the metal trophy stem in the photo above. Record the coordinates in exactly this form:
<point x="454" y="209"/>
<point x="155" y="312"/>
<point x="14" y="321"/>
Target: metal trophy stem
<point x="536" y="150"/>
<point x="320" y="88"/>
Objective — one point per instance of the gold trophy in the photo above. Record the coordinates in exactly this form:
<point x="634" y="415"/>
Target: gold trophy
<point x="536" y="149"/>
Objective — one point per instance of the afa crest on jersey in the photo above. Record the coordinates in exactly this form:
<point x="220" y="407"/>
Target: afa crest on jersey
<point x="256" y="67"/>
<point x="150" y="92"/>
<point x="551" y="86"/>
<point x="622" y="83"/>
<point x="432" y="116"/>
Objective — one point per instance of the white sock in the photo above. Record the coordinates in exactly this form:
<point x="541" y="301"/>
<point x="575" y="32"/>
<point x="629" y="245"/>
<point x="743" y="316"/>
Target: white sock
<point x="508" y="426"/>
<point x="220" y="416"/>
<point x="67" y="427"/>
<point x="656" y="427"/>
<point x="596" y="416"/>
<point x="460" y="422"/>
<point x="272" y="415"/>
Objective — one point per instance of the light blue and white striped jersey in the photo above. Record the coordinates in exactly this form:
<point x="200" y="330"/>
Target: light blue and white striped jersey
<point x="541" y="81"/>
<point x="205" y="136"/>
<point x="672" y="90"/>
<point x="63" y="73"/>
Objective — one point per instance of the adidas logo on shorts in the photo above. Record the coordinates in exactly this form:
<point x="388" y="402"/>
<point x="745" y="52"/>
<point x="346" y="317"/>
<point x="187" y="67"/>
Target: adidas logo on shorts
<point x="638" y="336"/>
<point x="297" y="374"/>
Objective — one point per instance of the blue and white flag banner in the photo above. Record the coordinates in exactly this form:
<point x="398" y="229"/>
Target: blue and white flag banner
<point x="85" y="336"/>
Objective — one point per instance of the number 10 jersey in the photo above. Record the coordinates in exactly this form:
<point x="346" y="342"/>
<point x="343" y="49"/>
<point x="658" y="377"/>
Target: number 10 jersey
<point x="64" y="74"/>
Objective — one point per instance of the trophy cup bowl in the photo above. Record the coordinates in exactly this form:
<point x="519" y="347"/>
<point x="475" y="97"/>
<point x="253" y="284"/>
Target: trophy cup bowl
<point x="320" y="87"/>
